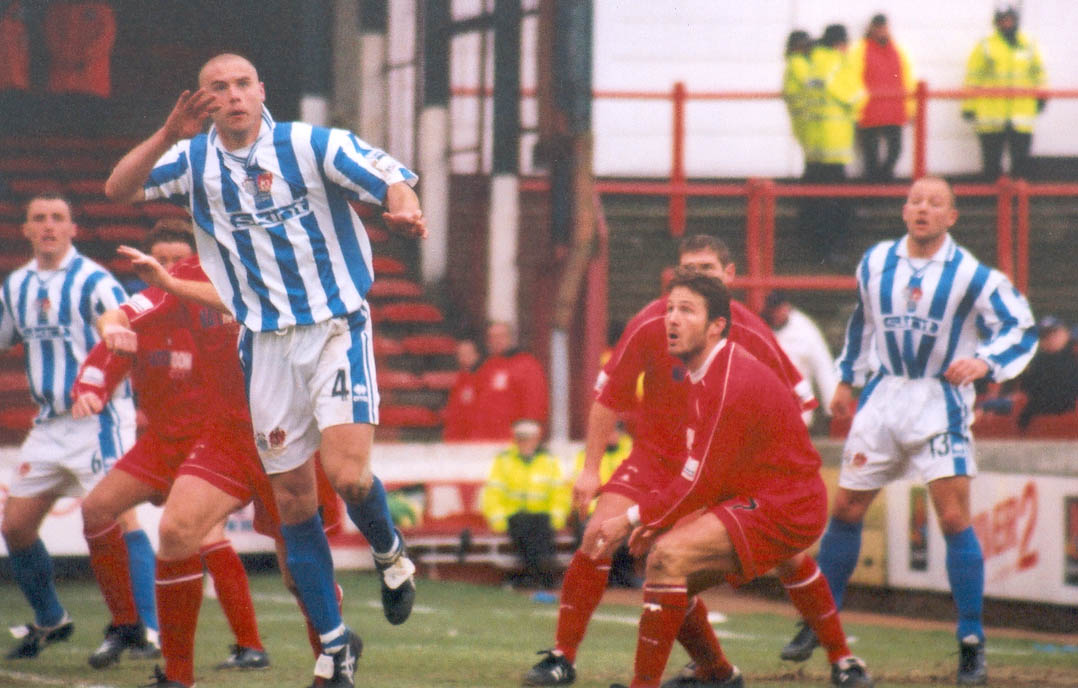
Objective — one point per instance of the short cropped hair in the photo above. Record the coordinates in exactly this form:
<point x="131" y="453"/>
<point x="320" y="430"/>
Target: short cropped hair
<point x="50" y="195"/>
<point x="716" y="295"/>
<point x="706" y="242"/>
<point x="168" y="230"/>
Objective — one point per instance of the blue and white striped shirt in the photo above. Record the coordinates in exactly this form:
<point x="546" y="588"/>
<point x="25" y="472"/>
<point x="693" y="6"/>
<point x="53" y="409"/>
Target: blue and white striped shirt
<point x="279" y="241"/>
<point x="915" y="316"/>
<point x="53" y="313"/>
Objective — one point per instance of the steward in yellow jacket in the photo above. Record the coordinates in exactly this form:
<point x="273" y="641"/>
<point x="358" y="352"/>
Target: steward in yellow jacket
<point x="833" y="98"/>
<point x="795" y="82"/>
<point x="1006" y="59"/>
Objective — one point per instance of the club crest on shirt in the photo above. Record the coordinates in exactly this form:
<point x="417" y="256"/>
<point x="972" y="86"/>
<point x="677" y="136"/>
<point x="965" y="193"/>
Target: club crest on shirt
<point x="264" y="182"/>
<point x="44" y="305"/>
<point x="913" y="296"/>
<point x="276" y="438"/>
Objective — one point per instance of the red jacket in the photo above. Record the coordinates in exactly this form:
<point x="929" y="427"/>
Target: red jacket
<point x="459" y="417"/>
<point x="508" y="388"/>
<point x="886" y="72"/>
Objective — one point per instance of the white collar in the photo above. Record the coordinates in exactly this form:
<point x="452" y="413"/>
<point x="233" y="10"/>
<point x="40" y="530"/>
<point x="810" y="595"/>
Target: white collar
<point x="244" y="155"/>
<point x="696" y="375"/>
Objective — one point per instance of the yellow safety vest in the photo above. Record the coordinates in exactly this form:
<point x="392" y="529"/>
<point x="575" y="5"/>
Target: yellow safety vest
<point x="516" y="485"/>
<point x="995" y="63"/>
<point x="833" y="97"/>
<point x="794" y="83"/>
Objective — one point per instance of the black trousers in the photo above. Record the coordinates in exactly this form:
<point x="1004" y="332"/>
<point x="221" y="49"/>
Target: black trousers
<point x="1018" y="145"/>
<point x="533" y="538"/>
<point x="825" y="222"/>
<point x="869" y="140"/>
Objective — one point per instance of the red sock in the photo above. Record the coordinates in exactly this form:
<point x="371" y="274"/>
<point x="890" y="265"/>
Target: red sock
<point x="809" y="592"/>
<point x="664" y="613"/>
<point x="581" y="591"/>
<point x="312" y="635"/>
<point x="179" y="594"/>
<point x="233" y="591"/>
<point x="700" y="641"/>
<point x="108" y="558"/>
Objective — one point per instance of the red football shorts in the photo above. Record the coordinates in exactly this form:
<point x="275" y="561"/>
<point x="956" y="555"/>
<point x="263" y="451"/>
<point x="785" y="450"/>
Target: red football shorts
<point x="154" y="460"/>
<point x="768" y="528"/>
<point x="641" y="472"/>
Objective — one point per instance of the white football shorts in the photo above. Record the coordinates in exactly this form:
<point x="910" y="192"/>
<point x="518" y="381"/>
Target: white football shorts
<point x="303" y="379"/>
<point x="909" y="428"/>
<point x="67" y="457"/>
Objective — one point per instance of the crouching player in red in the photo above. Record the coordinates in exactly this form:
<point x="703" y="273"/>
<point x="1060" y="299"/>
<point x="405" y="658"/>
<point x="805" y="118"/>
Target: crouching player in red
<point x="197" y="456"/>
<point x="748" y="499"/>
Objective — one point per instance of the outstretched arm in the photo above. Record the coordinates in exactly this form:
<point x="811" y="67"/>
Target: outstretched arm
<point x="403" y="214"/>
<point x="125" y="182"/>
<point x="154" y="274"/>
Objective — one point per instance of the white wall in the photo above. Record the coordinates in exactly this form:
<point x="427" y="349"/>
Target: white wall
<point x="721" y="45"/>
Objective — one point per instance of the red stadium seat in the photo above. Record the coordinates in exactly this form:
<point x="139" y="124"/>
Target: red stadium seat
<point x="13" y="381"/>
<point x="376" y="234"/>
<point x="395" y="287"/>
<point x="32" y="186"/>
<point x="12" y="212"/>
<point x="408" y="312"/>
<point x="408" y="417"/>
<point x="1061" y="426"/>
<point x="27" y="164"/>
<point x="384" y="265"/>
<point x="398" y="379"/>
<point x="119" y="265"/>
<point x="430" y="345"/>
<point x="18" y="418"/>
<point x="12" y="261"/>
<point x="104" y="211"/>
<point x="86" y="188"/>
<point x="124" y="233"/>
<point x="10" y="231"/>
<point x="439" y="379"/>
<point x="384" y="346"/>
<point x="156" y="211"/>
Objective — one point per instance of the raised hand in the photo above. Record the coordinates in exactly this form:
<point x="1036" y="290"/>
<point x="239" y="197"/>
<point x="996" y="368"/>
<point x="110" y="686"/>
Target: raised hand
<point x="146" y="267"/>
<point x="189" y="114"/>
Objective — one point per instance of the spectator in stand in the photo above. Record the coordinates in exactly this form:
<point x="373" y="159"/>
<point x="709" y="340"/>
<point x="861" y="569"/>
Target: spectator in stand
<point x="887" y="76"/>
<point x="460" y="417"/>
<point x="1008" y="58"/>
<point x="511" y="385"/>
<point x="526" y="495"/>
<point x="795" y="81"/>
<point x="833" y="95"/>
<point x="79" y="35"/>
<point x="14" y="67"/>
<point x="1050" y="383"/>
<point x="804" y="345"/>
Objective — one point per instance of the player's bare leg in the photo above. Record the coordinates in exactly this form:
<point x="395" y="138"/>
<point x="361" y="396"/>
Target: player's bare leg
<point x="965" y="572"/>
<point x="104" y="512"/>
<point x="194" y="506"/>
<point x="346" y="457"/>
<point x="31" y="566"/>
<point x="695" y="555"/>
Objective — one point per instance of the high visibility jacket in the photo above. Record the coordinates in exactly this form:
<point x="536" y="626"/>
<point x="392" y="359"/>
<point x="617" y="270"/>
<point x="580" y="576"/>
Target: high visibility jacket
<point x="612" y="458"/>
<point x="516" y="485"/>
<point x="14" y="49"/>
<point x="794" y="84"/>
<point x="833" y="97"/>
<point x="885" y="70"/>
<point x="995" y="63"/>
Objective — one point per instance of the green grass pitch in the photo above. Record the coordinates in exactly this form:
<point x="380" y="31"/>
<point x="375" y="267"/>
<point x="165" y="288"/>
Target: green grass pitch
<point x="482" y="636"/>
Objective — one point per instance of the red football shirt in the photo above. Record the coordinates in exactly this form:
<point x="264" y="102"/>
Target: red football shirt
<point x="744" y="435"/>
<point x="642" y="349"/>
<point x="186" y="371"/>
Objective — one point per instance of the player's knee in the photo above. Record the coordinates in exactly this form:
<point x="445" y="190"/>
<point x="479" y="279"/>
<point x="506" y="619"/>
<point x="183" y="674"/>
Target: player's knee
<point x="354" y="486"/>
<point x="96" y="513"/>
<point x="666" y="562"/>
<point x="179" y="537"/>
<point x="953" y="520"/>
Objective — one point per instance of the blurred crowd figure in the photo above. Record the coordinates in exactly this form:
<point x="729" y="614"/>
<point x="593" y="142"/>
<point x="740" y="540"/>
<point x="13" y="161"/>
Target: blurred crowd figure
<point x="526" y="496"/>
<point x="491" y="393"/>
<point x="1006" y="58"/>
<point x="804" y="344"/>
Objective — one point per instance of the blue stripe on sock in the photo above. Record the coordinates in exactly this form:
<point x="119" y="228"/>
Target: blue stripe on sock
<point x="372" y="518"/>
<point x="965" y="571"/>
<point x="839" y="549"/>
<point x="140" y="560"/>
<point x="311" y="565"/>
<point x="32" y="570"/>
